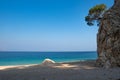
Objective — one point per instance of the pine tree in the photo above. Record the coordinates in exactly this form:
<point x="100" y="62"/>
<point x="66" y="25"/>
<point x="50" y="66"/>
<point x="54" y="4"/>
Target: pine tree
<point x="95" y="14"/>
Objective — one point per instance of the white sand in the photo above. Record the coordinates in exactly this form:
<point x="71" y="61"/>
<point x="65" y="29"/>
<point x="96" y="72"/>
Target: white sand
<point x="82" y="70"/>
<point x="16" y="66"/>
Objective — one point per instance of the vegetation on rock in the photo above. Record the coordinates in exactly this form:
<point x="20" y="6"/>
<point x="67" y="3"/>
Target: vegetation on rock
<point x="95" y="14"/>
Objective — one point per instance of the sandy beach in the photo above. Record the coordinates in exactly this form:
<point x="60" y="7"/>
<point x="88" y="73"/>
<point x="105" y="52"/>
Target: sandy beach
<point x="80" y="70"/>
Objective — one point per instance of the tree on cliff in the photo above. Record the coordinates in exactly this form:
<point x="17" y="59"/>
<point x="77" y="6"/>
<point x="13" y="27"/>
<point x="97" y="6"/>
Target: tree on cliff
<point x="95" y="14"/>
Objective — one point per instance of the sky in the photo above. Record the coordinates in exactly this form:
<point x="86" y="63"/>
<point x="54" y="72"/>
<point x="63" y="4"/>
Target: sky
<point x="47" y="25"/>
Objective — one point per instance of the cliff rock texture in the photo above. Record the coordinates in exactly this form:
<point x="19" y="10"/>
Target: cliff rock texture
<point x="108" y="38"/>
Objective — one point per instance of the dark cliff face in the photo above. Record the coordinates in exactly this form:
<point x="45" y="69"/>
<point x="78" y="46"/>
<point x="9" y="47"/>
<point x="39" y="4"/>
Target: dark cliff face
<point x="108" y="38"/>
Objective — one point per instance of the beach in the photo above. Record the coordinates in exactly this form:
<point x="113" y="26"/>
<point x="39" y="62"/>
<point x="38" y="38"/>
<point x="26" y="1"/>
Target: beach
<point x="78" y="70"/>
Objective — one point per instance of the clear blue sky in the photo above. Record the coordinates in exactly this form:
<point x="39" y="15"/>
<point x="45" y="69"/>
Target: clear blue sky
<point x="47" y="25"/>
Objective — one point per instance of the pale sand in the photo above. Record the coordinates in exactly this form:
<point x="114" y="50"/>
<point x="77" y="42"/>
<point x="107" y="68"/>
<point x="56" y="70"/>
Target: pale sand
<point x="81" y="70"/>
<point x="16" y="66"/>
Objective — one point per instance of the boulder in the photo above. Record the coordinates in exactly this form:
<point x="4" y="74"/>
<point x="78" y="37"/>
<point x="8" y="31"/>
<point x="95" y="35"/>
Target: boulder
<point x="48" y="62"/>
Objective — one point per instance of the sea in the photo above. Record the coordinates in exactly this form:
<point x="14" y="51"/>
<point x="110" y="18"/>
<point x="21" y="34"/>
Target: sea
<point x="25" y="58"/>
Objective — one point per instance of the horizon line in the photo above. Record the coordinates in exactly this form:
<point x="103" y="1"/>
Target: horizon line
<point x="49" y="51"/>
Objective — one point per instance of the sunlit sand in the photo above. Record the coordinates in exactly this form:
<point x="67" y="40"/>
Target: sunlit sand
<point x="80" y="70"/>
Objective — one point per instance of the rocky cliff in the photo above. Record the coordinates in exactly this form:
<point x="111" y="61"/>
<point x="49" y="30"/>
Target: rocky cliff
<point x="108" y="37"/>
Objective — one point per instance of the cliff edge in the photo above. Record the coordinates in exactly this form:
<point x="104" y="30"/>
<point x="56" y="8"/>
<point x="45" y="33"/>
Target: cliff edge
<point x="108" y="38"/>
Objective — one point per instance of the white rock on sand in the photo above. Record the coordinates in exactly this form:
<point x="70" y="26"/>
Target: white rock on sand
<point x="48" y="62"/>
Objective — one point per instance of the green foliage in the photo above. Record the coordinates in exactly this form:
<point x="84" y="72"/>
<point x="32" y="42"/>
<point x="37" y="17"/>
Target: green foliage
<point x="95" y="14"/>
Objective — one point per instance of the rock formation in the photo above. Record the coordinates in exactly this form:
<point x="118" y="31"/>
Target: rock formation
<point x="48" y="62"/>
<point x="108" y="37"/>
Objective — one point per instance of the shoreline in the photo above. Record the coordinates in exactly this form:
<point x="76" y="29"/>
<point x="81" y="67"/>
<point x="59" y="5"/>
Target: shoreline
<point x="15" y="66"/>
<point x="77" y="70"/>
<point x="28" y="65"/>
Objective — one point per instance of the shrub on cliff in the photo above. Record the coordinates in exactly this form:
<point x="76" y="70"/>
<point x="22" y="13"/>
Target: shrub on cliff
<point x="95" y="14"/>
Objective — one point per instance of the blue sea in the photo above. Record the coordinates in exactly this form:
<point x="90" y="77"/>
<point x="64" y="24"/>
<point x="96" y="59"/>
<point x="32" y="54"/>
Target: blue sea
<point x="23" y="58"/>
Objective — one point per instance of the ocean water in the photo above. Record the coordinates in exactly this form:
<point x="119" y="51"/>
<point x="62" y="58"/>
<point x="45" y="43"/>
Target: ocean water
<point x="22" y="58"/>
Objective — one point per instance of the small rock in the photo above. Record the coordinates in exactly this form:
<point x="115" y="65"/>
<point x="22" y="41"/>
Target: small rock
<point x="48" y="62"/>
